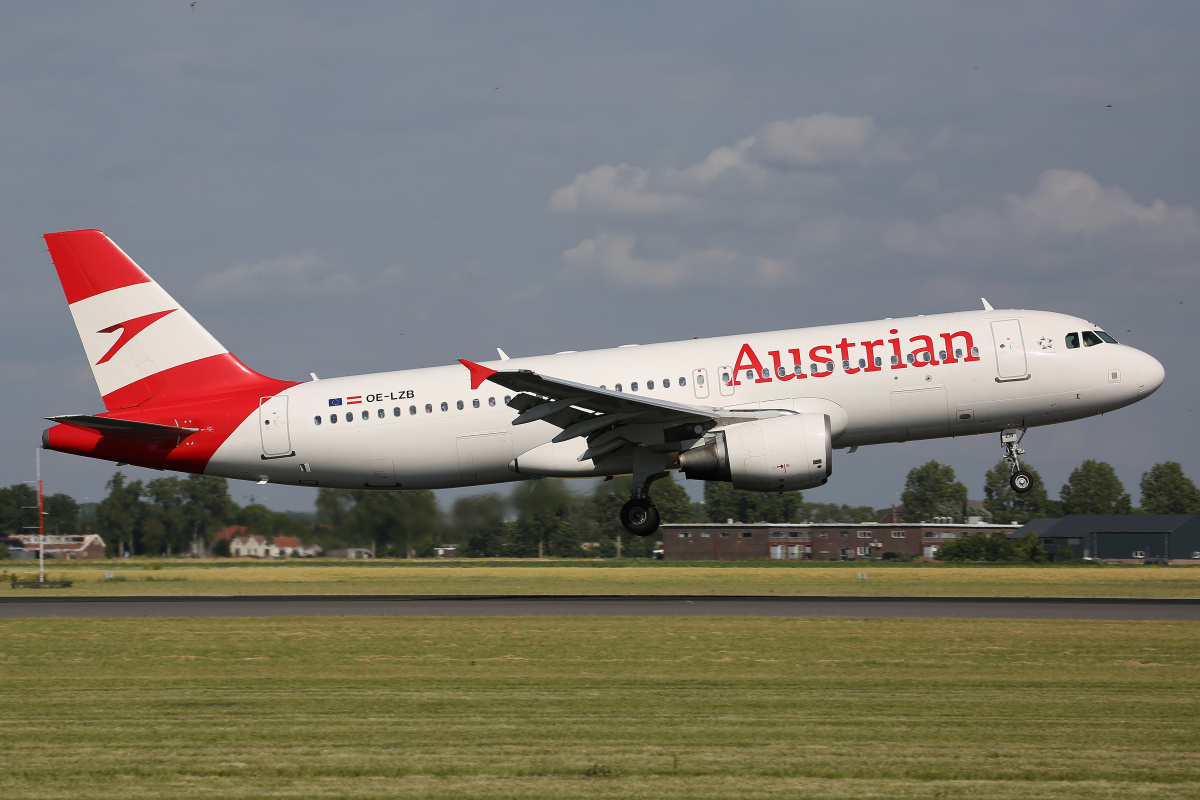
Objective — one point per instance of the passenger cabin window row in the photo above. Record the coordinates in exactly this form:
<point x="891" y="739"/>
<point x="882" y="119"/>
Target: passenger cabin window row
<point x="381" y="413"/>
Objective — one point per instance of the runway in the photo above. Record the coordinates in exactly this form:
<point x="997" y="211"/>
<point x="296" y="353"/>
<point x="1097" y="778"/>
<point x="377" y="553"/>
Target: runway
<point x="605" y="606"/>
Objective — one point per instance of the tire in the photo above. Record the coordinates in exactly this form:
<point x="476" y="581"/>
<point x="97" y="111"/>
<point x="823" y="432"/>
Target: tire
<point x="1021" y="481"/>
<point x="639" y="517"/>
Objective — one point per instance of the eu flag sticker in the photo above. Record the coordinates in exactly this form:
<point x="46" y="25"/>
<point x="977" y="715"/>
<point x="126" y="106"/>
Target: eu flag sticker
<point x="335" y="401"/>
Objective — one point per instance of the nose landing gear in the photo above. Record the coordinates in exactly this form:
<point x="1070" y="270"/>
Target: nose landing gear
<point x="1020" y="480"/>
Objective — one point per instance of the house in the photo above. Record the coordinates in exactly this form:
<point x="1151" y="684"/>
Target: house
<point x="249" y="546"/>
<point x="292" y="547"/>
<point x="1120" y="538"/>
<point x="65" y="546"/>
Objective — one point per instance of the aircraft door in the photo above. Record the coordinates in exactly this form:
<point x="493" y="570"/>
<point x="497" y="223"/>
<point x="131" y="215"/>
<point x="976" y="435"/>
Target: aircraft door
<point x="273" y="426"/>
<point x="725" y="379"/>
<point x="700" y="382"/>
<point x="1010" y="350"/>
<point x="921" y="413"/>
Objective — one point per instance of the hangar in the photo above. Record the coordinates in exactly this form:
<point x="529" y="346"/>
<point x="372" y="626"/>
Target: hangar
<point x="1121" y="538"/>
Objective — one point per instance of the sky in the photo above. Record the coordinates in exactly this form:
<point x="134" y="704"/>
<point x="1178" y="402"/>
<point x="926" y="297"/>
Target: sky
<point x="358" y="187"/>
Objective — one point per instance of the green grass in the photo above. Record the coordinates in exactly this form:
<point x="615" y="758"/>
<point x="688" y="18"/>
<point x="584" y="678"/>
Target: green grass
<point x="186" y="577"/>
<point x="598" y="708"/>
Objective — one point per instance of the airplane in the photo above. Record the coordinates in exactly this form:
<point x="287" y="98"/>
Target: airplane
<point x="763" y="411"/>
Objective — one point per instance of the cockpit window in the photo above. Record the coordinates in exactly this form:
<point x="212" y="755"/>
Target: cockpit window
<point x="1106" y="337"/>
<point x="1072" y="340"/>
<point x="1090" y="339"/>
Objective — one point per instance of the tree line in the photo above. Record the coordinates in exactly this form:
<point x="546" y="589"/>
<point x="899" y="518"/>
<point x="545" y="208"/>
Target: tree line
<point x="169" y="515"/>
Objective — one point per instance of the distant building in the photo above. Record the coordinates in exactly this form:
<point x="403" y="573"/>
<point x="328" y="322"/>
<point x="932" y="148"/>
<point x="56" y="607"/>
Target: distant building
<point x="847" y="541"/>
<point x="1121" y="538"/>
<point x="350" y="552"/>
<point x="64" y="546"/>
<point x="445" y="551"/>
<point x="255" y="546"/>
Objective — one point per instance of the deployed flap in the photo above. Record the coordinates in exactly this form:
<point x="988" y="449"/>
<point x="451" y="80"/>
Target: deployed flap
<point x="123" y="428"/>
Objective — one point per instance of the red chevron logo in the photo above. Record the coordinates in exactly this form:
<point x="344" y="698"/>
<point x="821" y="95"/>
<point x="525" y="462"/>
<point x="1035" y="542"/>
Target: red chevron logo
<point x="129" y="329"/>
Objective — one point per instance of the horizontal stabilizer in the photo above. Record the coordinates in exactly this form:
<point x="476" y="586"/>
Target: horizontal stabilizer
<point x="123" y="428"/>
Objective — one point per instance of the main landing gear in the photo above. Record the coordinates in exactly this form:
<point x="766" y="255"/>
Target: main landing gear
<point x="639" y="516"/>
<point x="1020" y="480"/>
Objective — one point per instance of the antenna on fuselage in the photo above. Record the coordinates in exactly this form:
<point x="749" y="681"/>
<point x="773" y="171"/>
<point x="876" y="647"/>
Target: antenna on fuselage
<point x="503" y="355"/>
<point x="986" y="305"/>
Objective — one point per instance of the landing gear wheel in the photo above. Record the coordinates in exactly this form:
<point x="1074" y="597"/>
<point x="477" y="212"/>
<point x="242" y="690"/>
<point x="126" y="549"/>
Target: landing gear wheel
<point x="1021" y="481"/>
<point x="640" y="517"/>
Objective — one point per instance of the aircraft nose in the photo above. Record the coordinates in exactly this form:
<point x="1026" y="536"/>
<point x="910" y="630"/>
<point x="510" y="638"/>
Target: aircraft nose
<point x="1150" y="373"/>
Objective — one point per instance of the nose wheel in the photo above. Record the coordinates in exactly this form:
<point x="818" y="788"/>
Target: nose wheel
<point x="1020" y="480"/>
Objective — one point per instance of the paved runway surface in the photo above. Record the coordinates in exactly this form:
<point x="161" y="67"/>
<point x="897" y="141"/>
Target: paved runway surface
<point x="606" y="606"/>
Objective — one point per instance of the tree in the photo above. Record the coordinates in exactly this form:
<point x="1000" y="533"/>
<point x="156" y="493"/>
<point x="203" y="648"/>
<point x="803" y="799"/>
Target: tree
<point x="16" y="504"/>
<point x="978" y="547"/>
<point x="1094" y="488"/>
<point x="394" y="523"/>
<point x="835" y="512"/>
<point x="1005" y="505"/>
<point x="723" y="502"/>
<point x="1166" y="490"/>
<point x="930" y="490"/>
<point x="474" y="514"/>
<point x="119" y="515"/>
<point x="62" y="514"/>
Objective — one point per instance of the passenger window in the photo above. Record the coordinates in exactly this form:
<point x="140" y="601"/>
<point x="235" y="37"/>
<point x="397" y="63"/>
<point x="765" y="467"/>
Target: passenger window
<point x="650" y="386"/>
<point x="958" y="352"/>
<point x="366" y="414"/>
<point x="1091" y="340"/>
<point x="491" y="401"/>
<point x="349" y="416"/>
<point x="862" y="362"/>
<point x="942" y="355"/>
<point x="683" y="381"/>
<point x="445" y="406"/>
<point x="381" y="414"/>
<point x="910" y="358"/>
<point x="618" y="387"/>
<point x="460" y="405"/>
<point x="845" y="365"/>
<point x="317" y="420"/>
<point x="878" y="361"/>
<point x="725" y="378"/>
<point x="396" y="411"/>
<point x="766" y="373"/>
<point x="633" y="386"/>
<point x="829" y="366"/>
<point x="333" y="419"/>
<point x="975" y="352"/>
<point x="749" y="374"/>
<point x="812" y="368"/>
<point x="799" y="370"/>
<point x="428" y="408"/>
<point x="1072" y="340"/>
<point x="1106" y="337"/>
<point x="412" y="409"/>
<point x="782" y="371"/>
<point x="507" y="397"/>
<point x="475" y="403"/>
<point x="895" y="360"/>
<point x="666" y="383"/>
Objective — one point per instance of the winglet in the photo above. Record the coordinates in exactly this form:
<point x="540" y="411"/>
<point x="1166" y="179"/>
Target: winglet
<point x="479" y="373"/>
<point x="986" y="305"/>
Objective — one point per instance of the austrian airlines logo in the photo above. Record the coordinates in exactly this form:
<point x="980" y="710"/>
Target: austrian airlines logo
<point x="129" y="329"/>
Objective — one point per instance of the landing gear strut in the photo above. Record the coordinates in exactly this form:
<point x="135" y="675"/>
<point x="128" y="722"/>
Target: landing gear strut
<point x="639" y="516"/>
<point x="1020" y="480"/>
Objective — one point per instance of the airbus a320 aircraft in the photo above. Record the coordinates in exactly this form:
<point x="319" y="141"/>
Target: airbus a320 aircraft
<point x="763" y="411"/>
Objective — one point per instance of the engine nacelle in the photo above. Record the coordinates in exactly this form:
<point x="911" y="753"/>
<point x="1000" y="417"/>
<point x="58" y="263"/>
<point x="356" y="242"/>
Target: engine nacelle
<point x="780" y="454"/>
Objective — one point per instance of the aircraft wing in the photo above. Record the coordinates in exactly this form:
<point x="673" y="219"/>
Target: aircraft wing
<point x="606" y="418"/>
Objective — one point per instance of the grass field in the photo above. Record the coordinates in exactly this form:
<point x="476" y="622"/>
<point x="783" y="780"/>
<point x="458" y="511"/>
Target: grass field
<point x="608" y="577"/>
<point x="598" y="708"/>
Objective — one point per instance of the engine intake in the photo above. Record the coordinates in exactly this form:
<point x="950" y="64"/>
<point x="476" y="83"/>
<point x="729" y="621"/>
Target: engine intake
<point x="780" y="454"/>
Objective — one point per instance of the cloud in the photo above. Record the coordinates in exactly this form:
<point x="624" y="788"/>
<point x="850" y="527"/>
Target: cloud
<point x="612" y="256"/>
<point x="816" y="139"/>
<point x="304" y="274"/>
<point x="622" y="190"/>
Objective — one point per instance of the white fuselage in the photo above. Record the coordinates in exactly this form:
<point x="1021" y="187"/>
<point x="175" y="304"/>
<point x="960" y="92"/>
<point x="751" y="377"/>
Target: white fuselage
<point x="891" y="381"/>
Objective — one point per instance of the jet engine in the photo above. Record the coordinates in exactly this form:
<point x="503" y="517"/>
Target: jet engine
<point x="779" y="454"/>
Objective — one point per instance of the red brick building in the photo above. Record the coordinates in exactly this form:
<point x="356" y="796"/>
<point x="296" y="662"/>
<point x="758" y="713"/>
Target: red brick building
<point x="810" y="541"/>
<point x="65" y="546"/>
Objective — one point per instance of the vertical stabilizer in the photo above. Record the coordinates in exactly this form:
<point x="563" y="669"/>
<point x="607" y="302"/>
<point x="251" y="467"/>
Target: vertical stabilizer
<point x="143" y="347"/>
